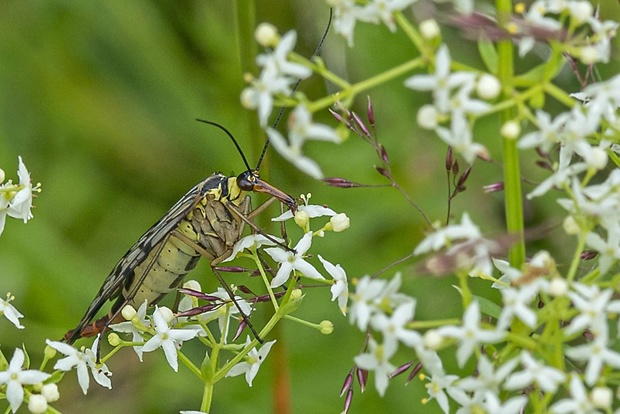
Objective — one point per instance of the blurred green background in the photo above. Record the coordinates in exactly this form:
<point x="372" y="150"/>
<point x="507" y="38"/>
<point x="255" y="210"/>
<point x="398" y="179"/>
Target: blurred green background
<point x="99" y="98"/>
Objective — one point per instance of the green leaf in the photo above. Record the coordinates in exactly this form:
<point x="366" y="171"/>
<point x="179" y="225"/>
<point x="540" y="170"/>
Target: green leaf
<point x="56" y="377"/>
<point x="488" y="307"/>
<point x="534" y="75"/>
<point x="488" y="53"/>
<point x="206" y="370"/>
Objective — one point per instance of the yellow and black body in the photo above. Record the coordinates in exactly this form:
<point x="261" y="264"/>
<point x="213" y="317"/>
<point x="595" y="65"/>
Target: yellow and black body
<point x="211" y="215"/>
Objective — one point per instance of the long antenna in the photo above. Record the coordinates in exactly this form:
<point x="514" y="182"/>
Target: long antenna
<point x="281" y="112"/>
<point x="232" y="138"/>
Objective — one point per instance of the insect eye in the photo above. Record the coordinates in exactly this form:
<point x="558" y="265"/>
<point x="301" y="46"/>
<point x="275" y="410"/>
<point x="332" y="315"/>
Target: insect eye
<point x="246" y="181"/>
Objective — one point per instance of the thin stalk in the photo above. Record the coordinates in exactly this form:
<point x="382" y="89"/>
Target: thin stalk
<point x="512" y="173"/>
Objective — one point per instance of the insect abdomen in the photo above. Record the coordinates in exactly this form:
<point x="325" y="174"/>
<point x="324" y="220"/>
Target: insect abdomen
<point x="174" y="260"/>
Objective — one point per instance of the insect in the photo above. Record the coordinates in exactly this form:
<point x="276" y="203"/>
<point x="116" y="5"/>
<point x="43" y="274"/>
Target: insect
<point x="207" y="221"/>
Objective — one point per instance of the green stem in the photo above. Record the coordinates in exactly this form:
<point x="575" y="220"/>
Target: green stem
<point x="245" y="24"/>
<point x="366" y="84"/>
<point x="512" y="174"/>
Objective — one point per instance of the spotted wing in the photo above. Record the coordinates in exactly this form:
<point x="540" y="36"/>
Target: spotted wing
<point x="123" y="271"/>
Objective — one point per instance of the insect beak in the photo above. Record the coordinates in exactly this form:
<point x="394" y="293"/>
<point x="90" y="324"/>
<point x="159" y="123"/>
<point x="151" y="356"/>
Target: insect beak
<point x="261" y="186"/>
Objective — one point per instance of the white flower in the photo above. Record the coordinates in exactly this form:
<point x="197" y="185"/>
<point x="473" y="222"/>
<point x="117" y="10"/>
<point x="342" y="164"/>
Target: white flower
<point x="252" y="242"/>
<point x="15" y="378"/>
<point x="168" y="339"/>
<point x="340" y="288"/>
<point x="224" y="310"/>
<point x="278" y="59"/>
<point x="346" y="14"/>
<point x="579" y="403"/>
<point x="515" y="405"/>
<point x="290" y="261"/>
<point x="129" y="327"/>
<point x="516" y="303"/>
<point x="440" y="238"/>
<point x="608" y="250"/>
<point x="368" y="291"/>
<point x="461" y="103"/>
<point x="460" y="138"/>
<point x="384" y="10"/>
<point x="560" y="177"/>
<point x="253" y="361"/>
<point x="82" y="360"/>
<point x="294" y="155"/>
<point x="470" y="335"/>
<point x="592" y="305"/>
<point x="301" y="128"/>
<point x="547" y="378"/>
<point x="312" y="210"/>
<point x="597" y="354"/>
<point x="548" y="131"/>
<point x="393" y="328"/>
<point x="437" y="386"/>
<point x="377" y="360"/>
<point x="372" y="295"/>
<point x="9" y="310"/>
<point x="488" y="378"/>
<point x="442" y="82"/>
<point x="259" y="95"/>
<point x="20" y="205"/>
<point x="277" y="76"/>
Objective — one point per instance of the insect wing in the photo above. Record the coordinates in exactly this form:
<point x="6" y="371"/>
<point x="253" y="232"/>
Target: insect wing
<point x="123" y="270"/>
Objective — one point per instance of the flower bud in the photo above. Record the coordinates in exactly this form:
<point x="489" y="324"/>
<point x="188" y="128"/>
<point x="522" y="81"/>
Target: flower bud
<point x="37" y="404"/>
<point x="247" y="99"/>
<point x="129" y="312"/>
<point x="570" y="225"/>
<point x="166" y="313"/>
<point x="427" y="117"/>
<point x="296" y="294"/>
<point x="580" y="12"/>
<point x="302" y="218"/>
<point x="50" y="392"/>
<point x="193" y="285"/>
<point x="2" y="175"/>
<point x="266" y="35"/>
<point x="598" y="159"/>
<point x="340" y="222"/>
<point x="432" y="339"/>
<point x="114" y="339"/>
<point x="510" y="130"/>
<point x="589" y="55"/>
<point x="429" y="29"/>
<point x="488" y="87"/>
<point x="327" y="327"/>
<point x="601" y="397"/>
<point x="558" y="287"/>
<point x="49" y="352"/>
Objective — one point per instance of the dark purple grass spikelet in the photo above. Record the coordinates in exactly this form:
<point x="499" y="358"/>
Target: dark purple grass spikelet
<point x="371" y="113"/>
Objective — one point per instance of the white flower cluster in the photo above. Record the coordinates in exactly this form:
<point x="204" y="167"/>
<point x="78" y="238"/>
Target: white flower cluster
<point x="591" y="42"/>
<point x="497" y="387"/>
<point x="16" y="199"/>
<point x="348" y="12"/>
